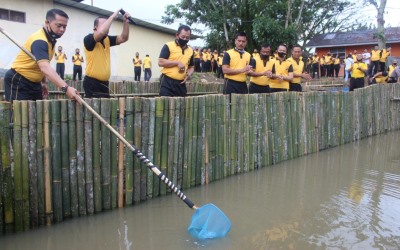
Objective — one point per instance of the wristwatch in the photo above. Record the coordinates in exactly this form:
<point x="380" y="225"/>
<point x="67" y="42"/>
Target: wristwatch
<point x="64" y="88"/>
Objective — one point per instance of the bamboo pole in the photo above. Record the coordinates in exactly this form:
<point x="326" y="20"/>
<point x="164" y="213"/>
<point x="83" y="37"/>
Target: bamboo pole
<point x="105" y="112"/>
<point x="145" y="146"/>
<point x="47" y="163"/>
<point x="66" y="184"/>
<point x="40" y="163"/>
<point x="164" y="143"/>
<point x="129" y="156"/>
<point x="121" y="153"/>
<point x="72" y="158"/>
<point x="187" y="143"/>
<point x="80" y="164"/>
<point x="152" y="115"/>
<point x="181" y="141"/>
<point x="200" y="149"/>
<point x="18" y="186"/>
<point x="171" y="146"/>
<point x="176" y="165"/>
<point x="6" y="189"/>
<point x="33" y="167"/>
<point x="137" y="141"/>
<point x="233" y="140"/>
<point x="208" y="143"/>
<point x="114" y="154"/>
<point x="92" y="159"/>
<point x="194" y="180"/>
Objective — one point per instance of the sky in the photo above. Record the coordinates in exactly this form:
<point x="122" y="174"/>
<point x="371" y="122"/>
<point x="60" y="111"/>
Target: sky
<point x="152" y="11"/>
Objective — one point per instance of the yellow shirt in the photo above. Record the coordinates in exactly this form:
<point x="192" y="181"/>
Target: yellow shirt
<point x="321" y="61"/>
<point x="220" y="60"/>
<point x="98" y="61"/>
<point x="328" y="60"/>
<point x="336" y="61"/>
<point x="238" y="61"/>
<point x="196" y="55"/>
<point x="77" y="59"/>
<point x="354" y="58"/>
<point x="355" y="72"/>
<point x="298" y="68"/>
<point x="204" y="56"/>
<point x="315" y="59"/>
<point x="256" y="55"/>
<point x="280" y="68"/>
<point x="147" y="62"/>
<point x="175" y="54"/>
<point x="60" y="57"/>
<point x="25" y="65"/>
<point x="391" y="69"/>
<point x="385" y="55"/>
<point x="381" y="79"/>
<point x="137" y="62"/>
<point x="261" y="66"/>
<point x="375" y="55"/>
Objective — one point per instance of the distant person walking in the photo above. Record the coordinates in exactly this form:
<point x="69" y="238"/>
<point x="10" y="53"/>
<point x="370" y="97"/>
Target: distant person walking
<point x="147" y="68"/>
<point x="60" y="59"/>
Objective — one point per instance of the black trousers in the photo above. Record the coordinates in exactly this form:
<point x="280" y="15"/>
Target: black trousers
<point x="356" y="83"/>
<point x="296" y="87"/>
<point x="172" y="87"/>
<point x="138" y="72"/>
<point x="258" y="89"/>
<point x="235" y="87"/>
<point x="60" y="69"/>
<point x="18" y="87"/>
<point x="147" y="74"/>
<point x="315" y="70"/>
<point x="95" y="88"/>
<point x="77" y="70"/>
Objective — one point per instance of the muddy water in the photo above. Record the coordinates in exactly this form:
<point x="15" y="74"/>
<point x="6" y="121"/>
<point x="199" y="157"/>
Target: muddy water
<point x="343" y="198"/>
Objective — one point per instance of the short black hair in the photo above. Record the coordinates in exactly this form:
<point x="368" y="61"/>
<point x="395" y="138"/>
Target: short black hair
<point x="282" y="44"/>
<point x="96" y="21"/>
<point x="297" y="46"/>
<point x="266" y="45"/>
<point x="51" y="14"/>
<point x="240" y="33"/>
<point x="183" y="27"/>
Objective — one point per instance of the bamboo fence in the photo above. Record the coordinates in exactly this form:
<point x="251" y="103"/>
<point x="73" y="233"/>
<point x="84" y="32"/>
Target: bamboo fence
<point x="59" y="162"/>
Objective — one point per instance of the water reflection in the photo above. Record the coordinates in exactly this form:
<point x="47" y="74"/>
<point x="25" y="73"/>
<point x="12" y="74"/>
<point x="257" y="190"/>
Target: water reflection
<point x="343" y="198"/>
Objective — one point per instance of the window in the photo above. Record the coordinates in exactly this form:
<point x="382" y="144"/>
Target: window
<point x="12" y="15"/>
<point x="338" y="51"/>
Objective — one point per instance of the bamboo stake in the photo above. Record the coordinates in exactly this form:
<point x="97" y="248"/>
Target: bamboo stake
<point x="152" y="115"/>
<point x="6" y="180"/>
<point x="145" y="146"/>
<point x="18" y="186"/>
<point x="164" y="143"/>
<point x="171" y="146"/>
<point x="195" y="175"/>
<point x="80" y="164"/>
<point x="121" y="153"/>
<point x="105" y="112"/>
<point x="25" y="165"/>
<point x="129" y="155"/>
<point x="92" y="159"/>
<point x="66" y="192"/>
<point x="72" y="159"/>
<point x="47" y="162"/>
<point x="33" y="167"/>
<point x="137" y="141"/>
<point x="114" y="154"/>
<point x="201" y="135"/>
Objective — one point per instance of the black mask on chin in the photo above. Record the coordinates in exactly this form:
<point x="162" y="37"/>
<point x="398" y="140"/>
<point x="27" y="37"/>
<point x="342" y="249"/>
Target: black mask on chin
<point x="182" y="42"/>
<point x="51" y="33"/>
<point x="281" y="54"/>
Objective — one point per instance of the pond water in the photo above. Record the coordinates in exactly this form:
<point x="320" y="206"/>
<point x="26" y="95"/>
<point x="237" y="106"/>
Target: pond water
<point x="342" y="198"/>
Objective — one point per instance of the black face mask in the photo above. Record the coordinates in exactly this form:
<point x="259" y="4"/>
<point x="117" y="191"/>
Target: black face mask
<point x="263" y="57"/>
<point x="359" y="60"/>
<point x="182" y="42"/>
<point x="77" y="53"/>
<point x="281" y="54"/>
<point x="52" y="34"/>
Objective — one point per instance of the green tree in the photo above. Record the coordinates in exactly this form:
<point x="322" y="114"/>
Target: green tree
<point x="380" y="33"/>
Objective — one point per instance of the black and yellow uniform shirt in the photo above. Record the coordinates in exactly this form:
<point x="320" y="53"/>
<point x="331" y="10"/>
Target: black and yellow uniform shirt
<point x="355" y="72"/>
<point x="42" y="47"/>
<point x="174" y="52"/>
<point x="336" y="61"/>
<point x="98" y="64"/>
<point x="220" y="60"/>
<point x="322" y="61"/>
<point x="315" y="59"/>
<point x="354" y="58"/>
<point x="77" y="60"/>
<point x="137" y="62"/>
<point x="215" y="57"/>
<point x="256" y="55"/>
<point x="204" y="56"/>
<point x="375" y="55"/>
<point x="236" y="60"/>
<point x="209" y="56"/>
<point x="147" y="62"/>
<point x="280" y="68"/>
<point x="258" y="67"/>
<point x="391" y="69"/>
<point x="384" y="55"/>
<point x="60" y="57"/>
<point x="382" y="78"/>
<point x="328" y="60"/>
<point x="196" y="55"/>
<point x="298" y="68"/>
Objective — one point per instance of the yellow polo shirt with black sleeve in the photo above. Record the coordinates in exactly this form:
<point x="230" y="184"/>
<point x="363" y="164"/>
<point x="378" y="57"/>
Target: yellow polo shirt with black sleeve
<point x="98" y="61"/>
<point x="384" y="55"/>
<point x="258" y="67"/>
<point x="60" y="57"/>
<point x="236" y="60"/>
<point x="280" y="68"/>
<point x="322" y="61"/>
<point x="354" y="58"/>
<point x="172" y="51"/>
<point x="391" y="69"/>
<point x="77" y="60"/>
<point x="204" y="56"/>
<point x="355" y="72"/>
<point x="328" y="60"/>
<point x="36" y="44"/>
<point x="315" y="59"/>
<point x="220" y="60"/>
<point x="137" y="62"/>
<point x="256" y="55"/>
<point x="336" y="61"/>
<point x="298" y="68"/>
<point x="375" y="55"/>
<point x="147" y="62"/>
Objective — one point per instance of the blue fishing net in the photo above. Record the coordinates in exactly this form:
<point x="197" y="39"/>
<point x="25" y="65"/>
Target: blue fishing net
<point x="209" y="222"/>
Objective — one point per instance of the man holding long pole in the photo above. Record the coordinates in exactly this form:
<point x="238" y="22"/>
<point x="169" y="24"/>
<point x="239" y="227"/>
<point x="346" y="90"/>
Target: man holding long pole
<point x="26" y="80"/>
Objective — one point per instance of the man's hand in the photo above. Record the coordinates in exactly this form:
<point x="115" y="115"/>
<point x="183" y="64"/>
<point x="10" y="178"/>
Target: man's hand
<point x="187" y="78"/>
<point x="45" y="91"/>
<point x="72" y="93"/>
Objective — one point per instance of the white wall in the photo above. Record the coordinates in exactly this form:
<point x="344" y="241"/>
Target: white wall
<point x="144" y="41"/>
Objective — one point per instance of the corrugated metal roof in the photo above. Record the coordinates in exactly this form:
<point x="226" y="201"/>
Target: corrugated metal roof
<point x="102" y="12"/>
<point x="365" y="37"/>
